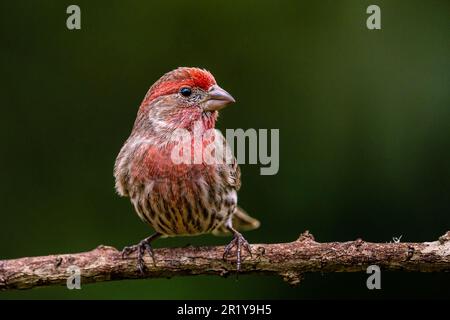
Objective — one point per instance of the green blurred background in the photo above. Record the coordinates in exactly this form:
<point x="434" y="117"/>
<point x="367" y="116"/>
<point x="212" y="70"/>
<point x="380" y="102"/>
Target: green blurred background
<point x="363" y="118"/>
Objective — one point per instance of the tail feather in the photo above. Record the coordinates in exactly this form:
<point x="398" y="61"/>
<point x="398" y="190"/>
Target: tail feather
<point x="241" y="222"/>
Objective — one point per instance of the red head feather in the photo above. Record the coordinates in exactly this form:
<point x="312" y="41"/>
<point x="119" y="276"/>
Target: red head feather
<point x="172" y="81"/>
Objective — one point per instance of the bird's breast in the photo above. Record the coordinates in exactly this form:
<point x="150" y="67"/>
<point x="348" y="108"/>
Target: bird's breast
<point x="180" y="199"/>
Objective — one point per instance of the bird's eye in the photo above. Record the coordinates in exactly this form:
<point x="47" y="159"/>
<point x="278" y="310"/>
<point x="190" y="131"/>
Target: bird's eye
<point x="185" y="91"/>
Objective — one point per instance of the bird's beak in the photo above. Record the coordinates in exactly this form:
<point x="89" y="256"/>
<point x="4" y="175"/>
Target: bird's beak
<point x="217" y="99"/>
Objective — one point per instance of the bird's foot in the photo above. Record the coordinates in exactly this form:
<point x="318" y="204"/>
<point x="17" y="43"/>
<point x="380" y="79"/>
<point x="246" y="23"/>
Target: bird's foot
<point x="141" y="248"/>
<point x="239" y="242"/>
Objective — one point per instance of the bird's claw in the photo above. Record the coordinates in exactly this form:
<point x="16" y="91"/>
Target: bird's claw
<point x="126" y="251"/>
<point x="238" y="242"/>
<point x="141" y="248"/>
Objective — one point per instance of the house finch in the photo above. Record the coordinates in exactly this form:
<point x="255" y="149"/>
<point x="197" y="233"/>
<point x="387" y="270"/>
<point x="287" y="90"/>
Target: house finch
<point x="179" y="199"/>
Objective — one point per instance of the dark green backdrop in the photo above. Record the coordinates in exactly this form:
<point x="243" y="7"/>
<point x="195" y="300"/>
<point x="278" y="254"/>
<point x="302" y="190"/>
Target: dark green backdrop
<point x="363" y="118"/>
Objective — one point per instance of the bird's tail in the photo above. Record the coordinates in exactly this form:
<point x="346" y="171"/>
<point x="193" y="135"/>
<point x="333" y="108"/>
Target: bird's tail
<point x="241" y="222"/>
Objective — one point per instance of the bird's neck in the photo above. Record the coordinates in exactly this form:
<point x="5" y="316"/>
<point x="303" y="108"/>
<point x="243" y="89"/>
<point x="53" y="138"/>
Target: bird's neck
<point x="195" y="121"/>
<point x="209" y="119"/>
<point x="163" y="131"/>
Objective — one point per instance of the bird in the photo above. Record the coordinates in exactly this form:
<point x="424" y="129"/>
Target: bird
<point x="181" y="199"/>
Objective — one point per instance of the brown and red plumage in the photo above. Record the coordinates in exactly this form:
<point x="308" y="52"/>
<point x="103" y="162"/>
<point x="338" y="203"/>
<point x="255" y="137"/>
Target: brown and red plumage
<point x="180" y="199"/>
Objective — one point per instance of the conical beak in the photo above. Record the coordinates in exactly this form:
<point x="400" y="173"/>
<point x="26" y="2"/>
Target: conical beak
<point x="217" y="99"/>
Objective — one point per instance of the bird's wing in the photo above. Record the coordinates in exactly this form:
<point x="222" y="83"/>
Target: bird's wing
<point x="241" y="220"/>
<point x="235" y="174"/>
<point x="230" y="168"/>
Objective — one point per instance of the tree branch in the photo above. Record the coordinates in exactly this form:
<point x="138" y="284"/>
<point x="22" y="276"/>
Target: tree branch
<point x="289" y="260"/>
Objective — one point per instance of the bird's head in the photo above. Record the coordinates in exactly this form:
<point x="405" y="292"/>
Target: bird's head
<point x="182" y="97"/>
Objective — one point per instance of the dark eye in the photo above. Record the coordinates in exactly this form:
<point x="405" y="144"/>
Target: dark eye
<point x="185" y="91"/>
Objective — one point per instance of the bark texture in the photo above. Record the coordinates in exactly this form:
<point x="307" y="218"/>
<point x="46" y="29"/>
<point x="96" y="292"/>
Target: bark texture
<point x="289" y="260"/>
